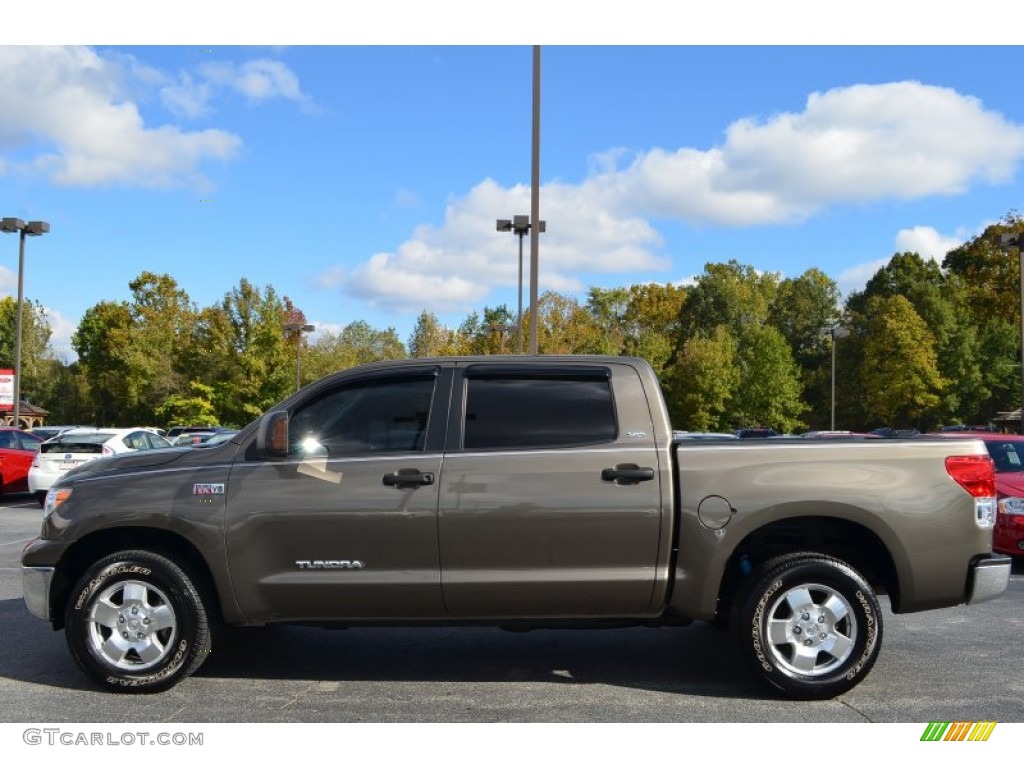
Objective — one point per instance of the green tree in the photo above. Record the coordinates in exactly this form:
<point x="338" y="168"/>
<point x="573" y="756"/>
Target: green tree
<point x="101" y="340"/>
<point x="257" y="369"/>
<point x="700" y="383"/>
<point x="356" y="344"/>
<point x="769" y="390"/>
<point x="732" y="294"/>
<point x="432" y="339"/>
<point x="195" y="407"/>
<point x="35" y="345"/>
<point x="899" y="371"/>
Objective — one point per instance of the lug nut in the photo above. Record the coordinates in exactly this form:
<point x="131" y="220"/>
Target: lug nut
<point x="797" y="630"/>
<point x="806" y="616"/>
<point x="821" y="619"/>
<point x="125" y="634"/>
<point x="145" y="621"/>
<point x="808" y="641"/>
<point x="120" y="619"/>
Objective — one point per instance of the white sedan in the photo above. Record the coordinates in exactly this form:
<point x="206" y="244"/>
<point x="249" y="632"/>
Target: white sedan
<point x="78" y="446"/>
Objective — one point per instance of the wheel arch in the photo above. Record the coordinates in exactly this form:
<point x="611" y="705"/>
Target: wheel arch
<point x="846" y="540"/>
<point x="89" y="549"/>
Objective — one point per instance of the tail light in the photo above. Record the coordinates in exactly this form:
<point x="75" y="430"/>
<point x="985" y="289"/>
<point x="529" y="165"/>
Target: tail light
<point x="977" y="476"/>
<point x="108" y="451"/>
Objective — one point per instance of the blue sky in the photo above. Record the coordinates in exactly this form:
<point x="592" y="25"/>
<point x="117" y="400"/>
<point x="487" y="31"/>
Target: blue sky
<point x="364" y="181"/>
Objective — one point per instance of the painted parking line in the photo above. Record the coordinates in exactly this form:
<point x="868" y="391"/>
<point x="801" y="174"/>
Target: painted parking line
<point x="16" y="541"/>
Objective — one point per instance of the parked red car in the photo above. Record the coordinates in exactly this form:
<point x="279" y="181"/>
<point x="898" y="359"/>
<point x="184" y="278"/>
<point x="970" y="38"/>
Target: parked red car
<point x="1007" y="451"/>
<point x="17" y="450"/>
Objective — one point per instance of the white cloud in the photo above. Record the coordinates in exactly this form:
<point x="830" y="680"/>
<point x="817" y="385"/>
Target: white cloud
<point x="61" y="330"/>
<point x="258" y="80"/>
<point x="927" y="242"/>
<point x="8" y="280"/>
<point x="71" y="101"/>
<point x="454" y="266"/>
<point x="855" y="278"/>
<point x="895" y="141"/>
<point x="860" y="143"/>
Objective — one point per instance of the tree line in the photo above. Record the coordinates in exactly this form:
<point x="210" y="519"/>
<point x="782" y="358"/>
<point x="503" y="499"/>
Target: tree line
<point x="929" y="344"/>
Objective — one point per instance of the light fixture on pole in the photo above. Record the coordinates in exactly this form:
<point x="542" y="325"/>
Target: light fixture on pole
<point x="520" y="226"/>
<point x="298" y="329"/>
<point x="836" y="332"/>
<point x="501" y="329"/>
<point x="1016" y="241"/>
<point x="32" y="229"/>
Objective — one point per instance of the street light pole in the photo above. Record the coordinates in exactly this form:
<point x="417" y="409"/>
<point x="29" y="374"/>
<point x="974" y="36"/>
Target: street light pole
<point x="33" y="228"/>
<point x="298" y="329"/>
<point x="519" y="225"/>
<point x="535" y="202"/>
<point x="836" y="332"/>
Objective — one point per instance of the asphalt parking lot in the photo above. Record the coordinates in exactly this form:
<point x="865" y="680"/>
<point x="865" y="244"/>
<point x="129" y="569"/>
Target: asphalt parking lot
<point x="953" y="664"/>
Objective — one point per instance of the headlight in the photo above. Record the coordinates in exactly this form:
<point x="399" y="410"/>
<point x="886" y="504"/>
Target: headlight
<point x="1011" y="506"/>
<point x="54" y="498"/>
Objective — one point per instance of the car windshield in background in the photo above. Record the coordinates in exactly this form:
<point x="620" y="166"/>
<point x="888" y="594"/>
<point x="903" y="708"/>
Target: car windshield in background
<point x="76" y="443"/>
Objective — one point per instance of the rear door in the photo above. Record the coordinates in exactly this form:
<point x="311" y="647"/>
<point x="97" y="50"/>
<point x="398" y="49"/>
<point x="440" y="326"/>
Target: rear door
<point x="550" y="504"/>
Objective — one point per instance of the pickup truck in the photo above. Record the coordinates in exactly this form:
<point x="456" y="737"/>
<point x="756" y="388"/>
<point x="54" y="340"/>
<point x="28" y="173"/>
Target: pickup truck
<point x="514" y="491"/>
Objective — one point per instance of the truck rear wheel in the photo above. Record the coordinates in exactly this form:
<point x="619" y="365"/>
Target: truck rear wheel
<point x="810" y="626"/>
<point x="137" y="623"/>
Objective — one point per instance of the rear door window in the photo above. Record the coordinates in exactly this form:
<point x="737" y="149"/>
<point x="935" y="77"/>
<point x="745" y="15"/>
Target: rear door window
<point x="519" y="409"/>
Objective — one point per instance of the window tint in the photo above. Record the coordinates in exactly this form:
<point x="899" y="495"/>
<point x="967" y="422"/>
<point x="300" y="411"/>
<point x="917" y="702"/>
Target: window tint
<point x="7" y="440"/>
<point x="523" y="412"/>
<point x="374" y="416"/>
<point x="29" y="442"/>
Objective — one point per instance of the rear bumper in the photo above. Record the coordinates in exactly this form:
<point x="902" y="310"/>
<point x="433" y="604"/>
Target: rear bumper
<point x="989" y="578"/>
<point x="36" y="585"/>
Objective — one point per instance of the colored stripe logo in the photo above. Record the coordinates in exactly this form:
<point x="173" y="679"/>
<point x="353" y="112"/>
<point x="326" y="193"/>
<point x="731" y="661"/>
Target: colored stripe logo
<point x="958" y="731"/>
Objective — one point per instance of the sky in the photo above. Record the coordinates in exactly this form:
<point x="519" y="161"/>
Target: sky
<point x="363" y="181"/>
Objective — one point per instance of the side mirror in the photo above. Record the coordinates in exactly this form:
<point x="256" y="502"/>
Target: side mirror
<point x="272" y="436"/>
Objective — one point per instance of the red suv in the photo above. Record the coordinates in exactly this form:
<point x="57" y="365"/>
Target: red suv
<point x="1007" y="451"/>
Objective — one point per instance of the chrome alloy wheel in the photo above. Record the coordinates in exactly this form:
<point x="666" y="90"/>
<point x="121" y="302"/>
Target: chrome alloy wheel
<point x="131" y="626"/>
<point x="811" y="630"/>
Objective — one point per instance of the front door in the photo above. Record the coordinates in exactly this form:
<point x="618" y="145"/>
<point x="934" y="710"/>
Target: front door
<point x="346" y="526"/>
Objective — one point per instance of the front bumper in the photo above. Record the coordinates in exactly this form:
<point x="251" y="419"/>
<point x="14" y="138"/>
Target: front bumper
<point x="36" y="585"/>
<point x="989" y="578"/>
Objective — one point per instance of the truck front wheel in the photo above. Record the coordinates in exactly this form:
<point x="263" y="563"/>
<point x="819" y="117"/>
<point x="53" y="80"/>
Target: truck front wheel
<point x="136" y="622"/>
<point x="810" y="626"/>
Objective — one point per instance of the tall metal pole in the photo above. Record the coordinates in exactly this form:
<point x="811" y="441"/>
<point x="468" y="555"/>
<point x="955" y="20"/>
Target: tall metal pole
<point x="298" y="358"/>
<point x="535" y="203"/>
<point x="833" y="427"/>
<point x="1020" y="254"/>
<point x="17" y="332"/>
<point x="519" y="316"/>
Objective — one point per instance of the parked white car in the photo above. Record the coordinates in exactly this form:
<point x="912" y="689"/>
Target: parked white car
<point x="78" y="446"/>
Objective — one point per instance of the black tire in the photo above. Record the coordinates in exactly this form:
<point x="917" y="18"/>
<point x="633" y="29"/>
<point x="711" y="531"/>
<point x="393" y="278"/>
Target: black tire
<point x="809" y="626"/>
<point x="136" y="623"/>
<point x="41" y="498"/>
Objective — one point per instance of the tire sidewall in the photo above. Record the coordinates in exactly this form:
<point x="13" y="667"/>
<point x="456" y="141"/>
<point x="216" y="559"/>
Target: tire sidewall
<point x="807" y="571"/>
<point x="182" y="597"/>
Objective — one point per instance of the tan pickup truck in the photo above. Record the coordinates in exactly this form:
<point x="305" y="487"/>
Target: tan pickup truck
<point x="517" y="491"/>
